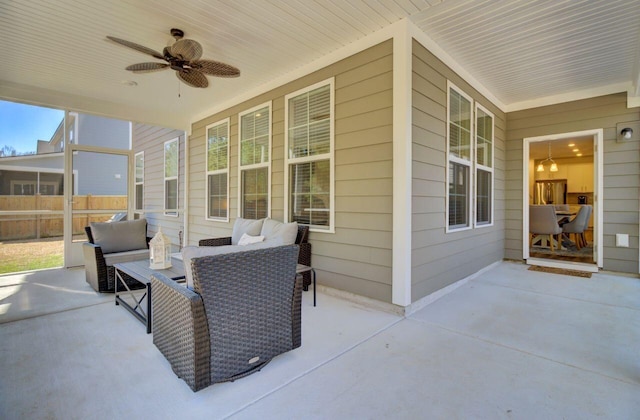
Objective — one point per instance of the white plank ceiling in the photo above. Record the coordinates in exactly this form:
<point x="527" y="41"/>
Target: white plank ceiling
<point x="55" y="53"/>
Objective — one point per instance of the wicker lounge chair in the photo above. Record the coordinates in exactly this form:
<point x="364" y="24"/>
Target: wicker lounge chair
<point x="244" y="310"/>
<point x="304" y="257"/>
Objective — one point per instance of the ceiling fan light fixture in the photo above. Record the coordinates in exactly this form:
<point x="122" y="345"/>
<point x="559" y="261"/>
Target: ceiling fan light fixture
<point x="183" y="56"/>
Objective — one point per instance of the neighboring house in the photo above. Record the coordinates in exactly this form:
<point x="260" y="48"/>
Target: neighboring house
<point x="103" y="174"/>
<point x="410" y="177"/>
<point x="28" y="174"/>
<point x="98" y="174"/>
<point x="43" y="171"/>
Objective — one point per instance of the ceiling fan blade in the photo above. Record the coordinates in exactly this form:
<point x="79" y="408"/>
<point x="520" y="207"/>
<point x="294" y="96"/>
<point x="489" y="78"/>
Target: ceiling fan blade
<point x="136" y="47"/>
<point x="186" y="49"/>
<point x="215" y="68"/>
<point x="193" y="78"/>
<point x="146" y="67"/>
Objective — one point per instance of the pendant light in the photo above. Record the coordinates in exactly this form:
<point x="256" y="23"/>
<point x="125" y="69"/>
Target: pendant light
<point x="552" y="168"/>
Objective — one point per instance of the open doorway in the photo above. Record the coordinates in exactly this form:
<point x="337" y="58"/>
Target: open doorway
<point x="31" y="188"/>
<point x="564" y="172"/>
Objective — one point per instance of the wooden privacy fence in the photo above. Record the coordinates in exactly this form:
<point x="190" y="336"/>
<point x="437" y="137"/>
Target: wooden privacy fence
<point x="41" y="216"/>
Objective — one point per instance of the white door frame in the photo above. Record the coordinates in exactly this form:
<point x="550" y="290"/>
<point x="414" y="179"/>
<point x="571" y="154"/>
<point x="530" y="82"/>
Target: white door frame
<point x="598" y="139"/>
<point x="73" y="250"/>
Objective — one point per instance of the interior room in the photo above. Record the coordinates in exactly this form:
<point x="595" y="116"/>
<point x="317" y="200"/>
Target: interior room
<point x="561" y="174"/>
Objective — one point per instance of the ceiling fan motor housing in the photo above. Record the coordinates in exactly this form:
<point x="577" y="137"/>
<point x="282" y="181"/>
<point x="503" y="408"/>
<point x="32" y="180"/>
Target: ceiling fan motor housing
<point x="177" y="33"/>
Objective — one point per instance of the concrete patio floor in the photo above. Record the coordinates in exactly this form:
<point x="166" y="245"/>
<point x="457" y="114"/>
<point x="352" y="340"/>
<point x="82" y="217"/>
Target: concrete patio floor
<point x="509" y="343"/>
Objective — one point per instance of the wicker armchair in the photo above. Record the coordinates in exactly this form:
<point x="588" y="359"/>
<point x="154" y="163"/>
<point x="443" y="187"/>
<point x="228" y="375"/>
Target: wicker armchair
<point x="244" y="310"/>
<point x="304" y="257"/>
<point x="99" y="274"/>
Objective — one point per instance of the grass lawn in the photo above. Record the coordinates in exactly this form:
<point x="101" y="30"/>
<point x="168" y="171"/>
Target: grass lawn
<point x="32" y="254"/>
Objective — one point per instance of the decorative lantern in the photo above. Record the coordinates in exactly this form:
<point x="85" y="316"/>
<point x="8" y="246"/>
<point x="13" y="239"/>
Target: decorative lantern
<point x="160" y="251"/>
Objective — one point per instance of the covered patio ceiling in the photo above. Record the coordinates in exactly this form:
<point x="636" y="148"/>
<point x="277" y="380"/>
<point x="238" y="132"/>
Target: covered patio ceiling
<point x="526" y="53"/>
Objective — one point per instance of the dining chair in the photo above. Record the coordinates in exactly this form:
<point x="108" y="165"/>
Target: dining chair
<point x="543" y="221"/>
<point x="583" y="237"/>
<point x="578" y="225"/>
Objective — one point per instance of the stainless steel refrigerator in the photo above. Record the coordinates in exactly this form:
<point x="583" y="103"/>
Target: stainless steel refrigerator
<point x="550" y="192"/>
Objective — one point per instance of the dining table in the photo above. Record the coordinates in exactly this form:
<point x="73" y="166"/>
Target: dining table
<point x="565" y="216"/>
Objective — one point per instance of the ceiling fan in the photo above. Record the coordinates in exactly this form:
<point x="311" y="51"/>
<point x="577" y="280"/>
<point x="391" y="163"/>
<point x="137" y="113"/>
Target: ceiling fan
<point x="183" y="56"/>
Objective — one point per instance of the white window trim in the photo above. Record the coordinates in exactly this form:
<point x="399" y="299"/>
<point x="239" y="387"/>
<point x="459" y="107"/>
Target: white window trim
<point x="171" y="212"/>
<point x="216" y="172"/>
<point x="257" y="165"/>
<point x="455" y="159"/>
<point x="483" y="167"/>
<point x="331" y="155"/>
<point x="136" y="182"/>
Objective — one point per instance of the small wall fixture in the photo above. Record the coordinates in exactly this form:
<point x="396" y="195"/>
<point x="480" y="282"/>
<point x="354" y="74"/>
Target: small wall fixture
<point x="626" y="133"/>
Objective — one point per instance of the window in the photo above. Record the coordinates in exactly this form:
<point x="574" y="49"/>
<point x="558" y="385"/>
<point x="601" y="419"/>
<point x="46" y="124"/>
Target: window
<point x="309" y="156"/>
<point x="171" y="177"/>
<point x="41" y="183"/>
<point x="470" y="162"/>
<point x="254" y="157"/>
<point x="484" y="166"/>
<point x="48" y="188"/>
<point x="23" y="188"/>
<point x="139" y="181"/>
<point x="459" y="157"/>
<point x="218" y="171"/>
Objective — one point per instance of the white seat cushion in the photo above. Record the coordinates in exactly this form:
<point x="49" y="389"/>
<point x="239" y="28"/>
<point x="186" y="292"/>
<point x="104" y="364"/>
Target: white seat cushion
<point x="126" y="256"/>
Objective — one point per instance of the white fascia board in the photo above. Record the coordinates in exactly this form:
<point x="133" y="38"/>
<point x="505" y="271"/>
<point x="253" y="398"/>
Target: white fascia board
<point x="41" y="156"/>
<point x="568" y="97"/>
<point x="633" y="101"/>
<point x="16" y="92"/>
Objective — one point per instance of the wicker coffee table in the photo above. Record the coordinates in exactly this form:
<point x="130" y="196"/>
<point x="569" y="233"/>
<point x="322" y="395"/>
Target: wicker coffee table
<point x="140" y="271"/>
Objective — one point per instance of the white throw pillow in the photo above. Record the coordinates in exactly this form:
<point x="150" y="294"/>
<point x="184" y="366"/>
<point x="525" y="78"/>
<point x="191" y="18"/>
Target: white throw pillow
<point x="242" y="226"/>
<point x="248" y="239"/>
<point x="278" y="233"/>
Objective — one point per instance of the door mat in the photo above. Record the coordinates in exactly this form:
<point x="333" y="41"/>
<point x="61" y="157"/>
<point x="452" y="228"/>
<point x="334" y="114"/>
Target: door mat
<point x="564" y="271"/>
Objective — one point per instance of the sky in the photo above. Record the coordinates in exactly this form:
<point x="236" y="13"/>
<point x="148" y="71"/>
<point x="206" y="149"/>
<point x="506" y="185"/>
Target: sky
<point x="21" y="126"/>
